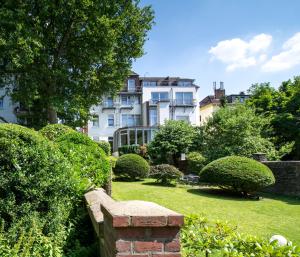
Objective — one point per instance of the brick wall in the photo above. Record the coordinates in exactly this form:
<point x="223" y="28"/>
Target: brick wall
<point x="287" y="175"/>
<point x="133" y="228"/>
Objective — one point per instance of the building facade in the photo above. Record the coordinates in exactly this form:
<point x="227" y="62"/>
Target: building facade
<point x="145" y="103"/>
<point x="212" y="103"/>
<point x="8" y="110"/>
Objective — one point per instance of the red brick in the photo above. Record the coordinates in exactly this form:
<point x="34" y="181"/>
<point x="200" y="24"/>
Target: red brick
<point x="123" y="246"/>
<point x="176" y="221"/>
<point x="121" y="221"/>
<point x="141" y="246"/>
<point x="166" y="255"/>
<point x="173" y="246"/>
<point x="133" y="255"/>
<point x="125" y="233"/>
<point x="165" y="232"/>
<point x="148" y="221"/>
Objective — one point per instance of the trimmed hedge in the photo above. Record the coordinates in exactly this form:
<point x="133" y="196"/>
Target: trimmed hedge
<point x="54" y="131"/>
<point x="35" y="178"/>
<point x="165" y="173"/>
<point x="131" y="166"/>
<point x="105" y="146"/>
<point x="195" y="162"/>
<point x="126" y="149"/>
<point x="240" y="174"/>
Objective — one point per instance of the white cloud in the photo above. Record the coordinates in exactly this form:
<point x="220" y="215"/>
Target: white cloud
<point x="288" y="58"/>
<point x="238" y="53"/>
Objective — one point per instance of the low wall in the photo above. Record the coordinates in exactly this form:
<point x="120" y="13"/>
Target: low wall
<point x="287" y="175"/>
<point x="133" y="228"/>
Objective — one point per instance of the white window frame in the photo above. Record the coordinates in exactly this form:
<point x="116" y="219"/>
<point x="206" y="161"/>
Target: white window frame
<point x="95" y="121"/>
<point x="131" y="85"/>
<point x="110" y="117"/>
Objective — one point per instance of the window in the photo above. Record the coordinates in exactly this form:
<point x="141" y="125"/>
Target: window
<point x="130" y="120"/>
<point x="153" y="117"/>
<point x="157" y="96"/>
<point x="95" y="121"/>
<point x="111" y="120"/>
<point x="96" y="138"/>
<point x="110" y="101"/>
<point x="183" y="117"/>
<point x="1" y="104"/>
<point x="184" y="83"/>
<point x="149" y="84"/>
<point x="127" y="100"/>
<point x="184" y="98"/>
<point x="131" y="85"/>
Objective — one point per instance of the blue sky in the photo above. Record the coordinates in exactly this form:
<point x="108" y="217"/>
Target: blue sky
<point x="240" y="42"/>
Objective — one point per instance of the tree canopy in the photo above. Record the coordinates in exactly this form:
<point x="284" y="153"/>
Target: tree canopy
<point x="60" y="56"/>
<point x="282" y="107"/>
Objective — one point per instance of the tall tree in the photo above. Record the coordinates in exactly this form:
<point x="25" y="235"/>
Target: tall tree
<point x="60" y="56"/>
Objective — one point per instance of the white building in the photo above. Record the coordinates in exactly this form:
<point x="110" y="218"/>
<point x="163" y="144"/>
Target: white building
<point x="132" y="117"/>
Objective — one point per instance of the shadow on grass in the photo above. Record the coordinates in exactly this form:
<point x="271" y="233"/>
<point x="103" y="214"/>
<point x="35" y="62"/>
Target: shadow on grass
<point x="125" y="179"/>
<point x="152" y="183"/>
<point x="218" y="193"/>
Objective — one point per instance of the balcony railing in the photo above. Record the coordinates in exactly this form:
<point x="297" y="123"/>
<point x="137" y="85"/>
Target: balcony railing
<point x="191" y="102"/>
<point x="128" y="104"/>
<point x="109" y="105"/>
<point x="156" y="101"/>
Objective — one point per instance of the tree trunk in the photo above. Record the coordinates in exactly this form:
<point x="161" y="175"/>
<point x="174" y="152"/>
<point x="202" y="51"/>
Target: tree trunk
<point x="52" y="115"/>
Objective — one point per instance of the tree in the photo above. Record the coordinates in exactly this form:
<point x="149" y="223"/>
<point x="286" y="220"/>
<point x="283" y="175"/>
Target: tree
<point x="60" y="56"/>
<point x="282" y="108"/>
<point x="235" y="130"/>
<point x="172" y="139"/>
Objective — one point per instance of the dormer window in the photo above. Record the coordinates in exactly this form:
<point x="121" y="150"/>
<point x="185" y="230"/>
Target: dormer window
<point x="131" y="85"/>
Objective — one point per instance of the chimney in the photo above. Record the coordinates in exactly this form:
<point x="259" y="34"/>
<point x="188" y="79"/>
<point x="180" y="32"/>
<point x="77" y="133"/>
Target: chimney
<point x="220" y="92"/>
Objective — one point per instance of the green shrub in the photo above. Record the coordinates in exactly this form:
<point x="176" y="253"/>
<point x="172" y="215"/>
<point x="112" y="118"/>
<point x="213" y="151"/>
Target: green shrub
<point x="34" y="177"/>
<point x="131" y="166"/>
<point x="165" y="173"/>
<point x="195" y="162"/>
<point x="238" y="173"/>
<point x="200" y="237"/>
<point x="89" y="161"/>
<point x="126" y="149"/>
<point x="54" y="131"/>
<point x="105" y="146"/>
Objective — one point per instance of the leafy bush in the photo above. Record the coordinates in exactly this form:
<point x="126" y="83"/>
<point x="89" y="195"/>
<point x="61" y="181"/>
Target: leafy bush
<point x="131" y="166"/>
<point x="89" y="161"/>
<point x="126" y="149"/>
<point x="105" y="146"/>
<point x="54" y="131"/>
<point x="238" y="173"/>
<point x="200" y="237"/>
<point x="172" y="139"/>
<point x="34" y="178"/>
<point x="165" y="173"/>
<point x="235" y="130"/>
<point x="195" y="162"/>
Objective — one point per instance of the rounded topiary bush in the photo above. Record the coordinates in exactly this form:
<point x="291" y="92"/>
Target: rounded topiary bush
<point x="131" y="166"/>
<point x="35" y="178"/>
<point x="105" y="146"/>
<point x="89" y="161"/>
<point x="195" y="162"/>
<point x="54" y="131"/>
<point x="238" y="173"/>
<point x="165" y="173"/>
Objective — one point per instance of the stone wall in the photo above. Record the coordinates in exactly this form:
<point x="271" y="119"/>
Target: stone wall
<point x="133" y="228"/>
<point x="287" y="175"/>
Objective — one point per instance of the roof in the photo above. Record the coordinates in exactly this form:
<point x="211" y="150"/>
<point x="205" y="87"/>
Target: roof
<point x="210" y="99"/>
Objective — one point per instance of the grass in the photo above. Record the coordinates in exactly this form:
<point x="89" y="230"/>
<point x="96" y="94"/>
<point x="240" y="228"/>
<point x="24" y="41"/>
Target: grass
<point x="266" y="217"/>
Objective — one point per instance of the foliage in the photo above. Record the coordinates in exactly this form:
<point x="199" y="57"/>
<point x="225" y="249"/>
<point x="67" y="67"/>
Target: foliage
<point x="282" y="107"/>
<point x="240" y="174"/>
<point x="172" y="139"/>
<point x="54" y="131"/>
<point x="105" y="146"/>
<point x="131" y="166"/>
<point x="236" y="130"/>
<point x="34" y="177"/>
<point x="90" y="163"/>
<point x="66" y="54"/>
<point x="195" y="162"/>
<point x="126" y="149"/>
<point x="165" y="174"/>
<point x="200" y="237"/>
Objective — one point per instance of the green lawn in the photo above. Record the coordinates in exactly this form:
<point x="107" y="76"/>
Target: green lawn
<point x="269" y="216"/>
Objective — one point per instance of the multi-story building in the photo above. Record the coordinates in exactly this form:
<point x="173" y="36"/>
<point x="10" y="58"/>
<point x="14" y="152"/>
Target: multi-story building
<point x="7" y="108"/>
<point x="211" y="103"/>
<point x="145" y="103"/>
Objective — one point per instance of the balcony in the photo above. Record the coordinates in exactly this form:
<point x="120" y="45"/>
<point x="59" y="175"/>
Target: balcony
<point x="185" y="103"/>
<point x="127" y="105"/>
<point x="156" y="101"/>
<point x="108" y="105"/>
